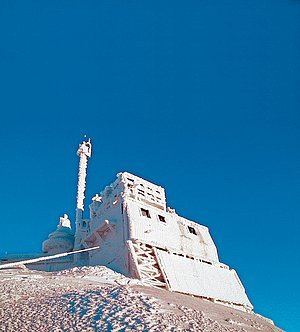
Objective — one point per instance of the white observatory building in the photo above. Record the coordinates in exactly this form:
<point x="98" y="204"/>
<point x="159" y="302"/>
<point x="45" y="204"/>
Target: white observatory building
<point x="140" y="237"/>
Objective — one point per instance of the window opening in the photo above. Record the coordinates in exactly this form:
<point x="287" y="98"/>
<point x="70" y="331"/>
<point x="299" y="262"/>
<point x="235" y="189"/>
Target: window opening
<point x="145" y="213"/>
<point x="192" y="230"/>
<point x="161" y="218"/>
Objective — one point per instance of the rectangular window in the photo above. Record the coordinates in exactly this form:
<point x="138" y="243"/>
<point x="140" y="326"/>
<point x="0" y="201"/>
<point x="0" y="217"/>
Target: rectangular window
<point x="192" y="230"/>
<point x="161" y="218"/>
<point x="145" y="213"/>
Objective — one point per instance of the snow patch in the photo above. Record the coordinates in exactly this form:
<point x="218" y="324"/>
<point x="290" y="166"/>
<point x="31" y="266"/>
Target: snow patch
<point x="69" y="301"/>
<point x="100" y="274"/>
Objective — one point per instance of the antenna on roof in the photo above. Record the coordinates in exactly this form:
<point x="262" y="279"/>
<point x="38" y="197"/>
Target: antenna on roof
<point x="84" y="152"/>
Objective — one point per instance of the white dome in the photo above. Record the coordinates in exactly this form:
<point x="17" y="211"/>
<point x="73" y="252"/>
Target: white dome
<point x="62" y="240"/>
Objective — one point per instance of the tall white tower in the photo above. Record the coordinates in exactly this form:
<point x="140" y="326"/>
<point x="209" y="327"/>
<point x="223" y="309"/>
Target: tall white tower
<point x="84" y="152"/>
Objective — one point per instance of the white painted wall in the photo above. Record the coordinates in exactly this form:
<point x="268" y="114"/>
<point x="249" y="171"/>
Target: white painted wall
<point x="107" y="231"/>
<point x="195" y="277"/>
<point x="173" y="234"/>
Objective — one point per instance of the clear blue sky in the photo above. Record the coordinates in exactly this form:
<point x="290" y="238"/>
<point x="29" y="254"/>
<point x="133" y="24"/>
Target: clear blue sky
<point x="201" y="97"/>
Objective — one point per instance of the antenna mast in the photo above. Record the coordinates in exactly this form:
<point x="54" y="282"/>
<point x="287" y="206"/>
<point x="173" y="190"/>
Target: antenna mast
<point x="84" y="152"/>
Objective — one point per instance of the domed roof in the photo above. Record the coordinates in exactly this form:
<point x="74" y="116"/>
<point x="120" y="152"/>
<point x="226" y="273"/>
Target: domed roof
<point x="62" y="240"/>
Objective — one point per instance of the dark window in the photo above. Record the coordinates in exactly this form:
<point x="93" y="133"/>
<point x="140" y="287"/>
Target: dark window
<point x="161" y="218"/>
<point x="192" y="230"/>
<point x="145" y="213"/>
